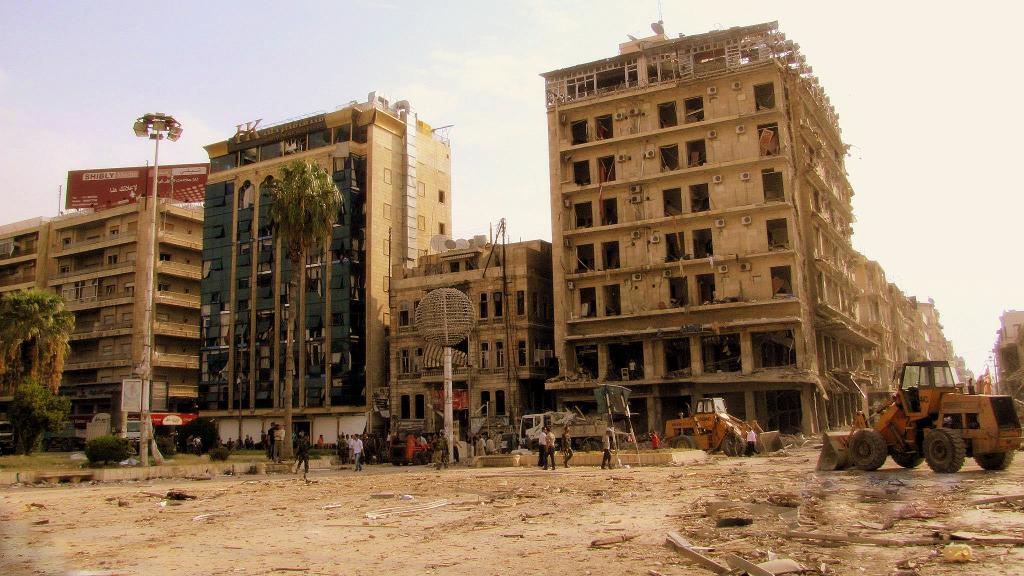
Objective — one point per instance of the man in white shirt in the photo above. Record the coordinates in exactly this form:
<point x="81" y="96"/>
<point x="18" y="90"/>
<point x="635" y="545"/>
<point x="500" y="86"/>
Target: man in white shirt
<point x="357" y="452"/>
<point x="751" y="443"/>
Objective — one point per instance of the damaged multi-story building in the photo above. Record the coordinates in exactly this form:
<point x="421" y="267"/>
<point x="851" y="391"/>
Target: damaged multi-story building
<point x="393" y="172"/>
<point x="1008" y="351"/>
<point x="500" y="370"/>
<point x="701" y="224"/>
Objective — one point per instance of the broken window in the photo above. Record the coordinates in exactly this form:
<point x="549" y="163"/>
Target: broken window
<point x="677" y="356"/>
<point x="579" y="132"/>
<point x="678" y="292"/>
<point x="498" y="300"/>
<point x="669" y="157"/>
<point x="771" y="182"/>
<point x="764" y="96"/>
<point x="403" y="314"/>
<point x="610" y="254"/>
<point x="586" y="360"/>
<point x="588" y="302"/>
<point x="626" y="361"/>
<point x="521" y="353"/>
<point x="768" y="139"/>
<point x="612" y="302"/>
<point x="674" y="247"/>
<point x="709" y="61"/>
<point x="609" y="212"/>
<point x="694" y="109"/>
<point x="705" y="288"/>
<point x="773" y="349"/>
<point x="703" y="245"/>
<point x="581" y="172"/>
<point x="700" y="199"/>
<point x="585" y="258"/>
<point x="672" y="201"/>
<point x="485" y="402"/>
<point x="603" y="127"/>
<point x="584" y="215"/>
<point x="782" y="282"/>
<point x="606" y="168"/>
<point x="721" y="353"/>
<point x="483" y="305"/>
<point x="778" y="234"/>
<point x="696" y="153"/>
<point x="485" y="355"/>
<point x="667" y="115"/>
<point x="610" y="79"/>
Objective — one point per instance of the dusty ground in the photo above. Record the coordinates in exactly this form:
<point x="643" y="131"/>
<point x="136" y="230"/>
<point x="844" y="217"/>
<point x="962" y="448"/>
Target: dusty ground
<point x="511" y="521"/>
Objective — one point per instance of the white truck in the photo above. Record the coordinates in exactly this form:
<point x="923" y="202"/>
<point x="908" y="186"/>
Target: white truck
<point x="586" y="431"/>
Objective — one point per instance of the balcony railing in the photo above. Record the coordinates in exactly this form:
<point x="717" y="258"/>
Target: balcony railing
<point x="85" y="302"/>
<point x="176" y="329"/>
<point x="120" y="267"/>
<point x="96" y="360"/>
<point x="98" y="329"/>
<point x="178" y="299"/>
<point x="20" y="278"/>
<point x="18" y="252"/>
<point x="80" y="245"/>
<point x="177" y="360"/>
<point x="179" y="269"/>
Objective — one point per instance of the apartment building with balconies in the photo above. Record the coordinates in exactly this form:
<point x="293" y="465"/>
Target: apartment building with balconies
<point x="701" y="222"/>
<point x="499" y="371"/>
<point x="393" y="172"/>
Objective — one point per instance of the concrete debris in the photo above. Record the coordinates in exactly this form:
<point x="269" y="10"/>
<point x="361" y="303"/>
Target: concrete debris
<point x="400" y="510"/>
<point x="732" y="522"/>
<point x="957" y="553"/>
<point x="175" y="494"/>
<point x="686" y="549"/>
<point x="608" y="540"/>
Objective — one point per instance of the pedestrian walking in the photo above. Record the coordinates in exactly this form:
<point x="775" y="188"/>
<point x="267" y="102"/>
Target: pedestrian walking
<point x="655" y="440"/>
<point x="751" y="443"/>
<point x="566" y="447"/>
<point x="542" y="448"/>
<point x="606" y="447"/>
<point x="302" y="454"/>
<point x="549" y="441"/>
<point x="278" y="443"/>
<point x="357" y="452"/>
<point x="442" y="446"/>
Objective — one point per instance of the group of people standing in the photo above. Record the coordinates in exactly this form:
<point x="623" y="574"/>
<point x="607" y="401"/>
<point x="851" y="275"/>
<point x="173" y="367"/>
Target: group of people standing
<point x="547" y="444"/>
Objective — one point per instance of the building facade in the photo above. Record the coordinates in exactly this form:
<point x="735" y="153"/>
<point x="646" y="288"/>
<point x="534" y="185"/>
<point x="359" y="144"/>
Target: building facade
<point x="701" y="228"/>
<point x="1008" y="351"/>
<point x="393" y="172"/>
<point x="500" y="370"/>
<point x="94" y="259"/>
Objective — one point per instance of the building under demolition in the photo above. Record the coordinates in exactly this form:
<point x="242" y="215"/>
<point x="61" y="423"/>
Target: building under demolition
<point x="701" y="224"/>
<point x="393" y="172"/>
<point x="499" y="371"/>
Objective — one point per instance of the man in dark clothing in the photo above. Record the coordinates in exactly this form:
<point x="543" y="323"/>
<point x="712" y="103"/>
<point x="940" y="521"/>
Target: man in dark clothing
<point x="606" y="446"/>
<point x="542" y="446"/>
<point x="270" y="440"/>
<point x="302" y="454"/>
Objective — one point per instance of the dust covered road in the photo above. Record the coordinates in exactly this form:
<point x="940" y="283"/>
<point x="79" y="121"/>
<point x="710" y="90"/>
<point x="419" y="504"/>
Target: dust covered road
<point x="518" y="521"/>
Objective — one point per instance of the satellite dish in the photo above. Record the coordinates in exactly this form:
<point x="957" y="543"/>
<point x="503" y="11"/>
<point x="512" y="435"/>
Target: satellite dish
<point x="449" y="244"/>
<point x="658" y="27"/>
<point x="462" y="243"/>
<point x="437" y="242"/>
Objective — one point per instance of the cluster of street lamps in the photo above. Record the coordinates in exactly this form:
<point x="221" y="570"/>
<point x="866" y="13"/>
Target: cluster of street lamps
<point x="155" y="126"/>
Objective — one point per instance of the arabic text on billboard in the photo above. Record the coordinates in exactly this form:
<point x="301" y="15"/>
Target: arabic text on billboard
<point x="115" y="186"/>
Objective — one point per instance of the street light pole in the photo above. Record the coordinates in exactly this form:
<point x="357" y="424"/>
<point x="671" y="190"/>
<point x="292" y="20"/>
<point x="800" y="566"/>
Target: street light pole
<point x="155" y="127"/>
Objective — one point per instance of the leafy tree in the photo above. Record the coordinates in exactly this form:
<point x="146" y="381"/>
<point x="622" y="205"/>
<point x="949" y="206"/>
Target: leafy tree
<point x="34" y="410"/>
<point x="103" y="449"/>
<point x="305" y="207"/>
<point x="34" y="331"/>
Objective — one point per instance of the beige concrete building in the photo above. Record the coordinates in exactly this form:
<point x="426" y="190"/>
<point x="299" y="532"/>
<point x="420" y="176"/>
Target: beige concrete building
<point x="500" y="370"/>
<point x="701" y="230"/>
<point x="94" y="260"/>
<point x="1008" y="351"/>
<point x="394" y="174"/>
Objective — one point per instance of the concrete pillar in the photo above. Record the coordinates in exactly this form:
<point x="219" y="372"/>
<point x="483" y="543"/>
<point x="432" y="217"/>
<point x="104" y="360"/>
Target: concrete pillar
<point x="749" y="409"/>
<point x="652" y="366"/>
<point x="808" y="413"/>
<point x="653" y="410"/>
<point x="602" y="361"/>
<point x="696" y="360"/>
<point x="746" y="353"/>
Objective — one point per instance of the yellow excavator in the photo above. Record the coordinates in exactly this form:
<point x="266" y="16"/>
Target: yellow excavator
<point x="932" y="418"/>
<point x="710" y="428"/>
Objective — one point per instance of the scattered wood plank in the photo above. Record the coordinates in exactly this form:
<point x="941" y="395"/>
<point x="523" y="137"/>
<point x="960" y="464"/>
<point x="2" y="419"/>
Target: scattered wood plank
<point x="857" y="539"/>
<point x="995" y="499"/>
<point x="399" y="510"/>
<point x="683" y="546"/>
<point x="609" y="540"/>
<point x="337" y="525"/>
<point x="737" y="563"/>
<point x="986" y="538"/>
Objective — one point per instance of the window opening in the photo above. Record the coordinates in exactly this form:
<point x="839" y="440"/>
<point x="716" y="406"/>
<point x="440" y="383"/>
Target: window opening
<point x="674" y="247"/>
<point x="782" y="282"/>
<point x="612" y="303"/>
<point x="703" y="245"/>
<point x="609" y="211"/>
<point x="483" y="305"/>
<point x="773" y="349"/>
<point x="700" y="198"/>
<point x="610" y="255"/>
<point x="672" y="201"/>
<point x="706" y="288"/>
<point x="579" y="132"/>
<point x="678" y="291"/>
<point x="585" y="258"/>
<point x="499" y="403"/>
<point x="420" y="406"/>
<point x="499" y="304"/>
<point x="603" y="127"/>
<point x="669" y="157"/>
<point x="584" y="215"/>
<point x="696" y="153"/>
<point x="694" y="109"/>
<point x="764" y="96"/>
<point x="771" y="182"/>
<point x="520" y="303"/>
<point x="581" y="172"/>
<point x="721" y="353"/>
<point x="625" y="361"/>
<point x="586" y="360"/>
<point x="588" y="302"/>
<point x="606" y="169"/>
<point x="667" y="115"/>
<point x="677" y="357"/>
<point x="778" y="234"/>
<point x="768" y="139"/>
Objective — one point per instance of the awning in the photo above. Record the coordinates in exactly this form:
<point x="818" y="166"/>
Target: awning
<point x="355" y="424"/>
<point x="172" y="418"/>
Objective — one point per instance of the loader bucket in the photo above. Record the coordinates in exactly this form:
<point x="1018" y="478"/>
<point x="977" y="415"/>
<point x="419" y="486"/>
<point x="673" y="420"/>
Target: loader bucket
<point x="834" y="453"/>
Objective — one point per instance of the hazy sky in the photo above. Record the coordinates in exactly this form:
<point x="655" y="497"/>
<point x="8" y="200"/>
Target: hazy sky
<point x="924" y="90"/>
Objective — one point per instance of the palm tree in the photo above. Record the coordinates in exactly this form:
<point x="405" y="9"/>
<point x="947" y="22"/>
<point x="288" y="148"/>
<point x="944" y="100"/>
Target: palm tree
<point x="34" y="331"/>
<point x="305" y="207"/>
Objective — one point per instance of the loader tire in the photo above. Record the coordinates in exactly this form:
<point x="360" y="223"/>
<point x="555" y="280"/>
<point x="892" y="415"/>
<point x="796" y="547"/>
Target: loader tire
<point x="995" y="460"/>
<point x="944" y="450"/>
<point x="907" y="459"/>
<point x="683" y="441"/>
<point x="732" y="445"/>
<point x="868" y="450"/>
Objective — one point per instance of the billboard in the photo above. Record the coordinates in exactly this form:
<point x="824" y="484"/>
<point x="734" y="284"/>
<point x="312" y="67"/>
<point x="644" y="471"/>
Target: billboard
<point x="105" y="187"/>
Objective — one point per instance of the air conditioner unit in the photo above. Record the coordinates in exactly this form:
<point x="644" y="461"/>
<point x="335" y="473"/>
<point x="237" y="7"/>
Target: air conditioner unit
<point x="712" y="90"/>
<point x="737" y="85"/>
<point x="623" y="157"/>
<point x="649" y="154"/>
<point x="655" y="238"/>
<point x="712" y="134"/>
<point x="636" y="199"/>
<point x="570" y="285"/>
<point x="723" y="268"/>
<point x="741" y="129"/>
<point x="637" y="277"/>
<point x="667" y="272"/>
<point x="635" y="112"/>
<point x="635" y="235"/>
<point x="635" y="189"/>
<point x="620" y="116"/>
<point x="567" y="203"/>
<point x="744" y="176"/>
<point x="746" y="220"/>
<point x="720" y="223"/>
<point x="744" y="267"/>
